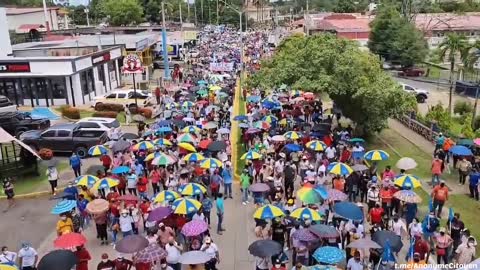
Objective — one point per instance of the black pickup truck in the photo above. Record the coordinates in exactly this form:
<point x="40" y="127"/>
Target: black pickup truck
<point x="65" y="138"/>
<point x="16" y="123"/>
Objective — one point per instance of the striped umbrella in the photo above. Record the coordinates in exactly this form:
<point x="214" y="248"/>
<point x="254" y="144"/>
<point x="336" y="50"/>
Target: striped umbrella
<point x="305" y="213"/>
<point x="262" y="125"/>
<point x="316" y="145"/>
<point x="185" y="206"/>
<point x="163" y="160"/>
<point x="106" y="182"/>
<point x="86" y="180"/>
<point x="339" y="168"/>
<point x="251" y="154"/>
<point x="144" y="145"/>
<point x="292" y="135"/>
<point x="270" y="119"/>
<point x="187" y="105"/>
<point x="336" y="195"/>
<point x="191" y="189"/>
<point x="63" y="206"/>
<point x="407" y="180"/>
<point x="193" y="157"/>
<point x="97" y="150"/>
<point x="163" y="142"/>
<point x="268" y="212"/>
<point x="296" y="93"/>
<point x="166" y="195"/>
<point x="7" y="267"/>
<point x="408" y="196"/>
<point x="308" y="195"/>
<point x="171" y="106"/>
<point x="187" y="146"/>
<point x="211" y="163"/>
<point x="152" y="253"/>
<point x="151" y="156"/>
<point x="194" y="228"/>
<point x="376" y="155"/>
<point x="186" y="137"/>
<point x="191" y="129"/>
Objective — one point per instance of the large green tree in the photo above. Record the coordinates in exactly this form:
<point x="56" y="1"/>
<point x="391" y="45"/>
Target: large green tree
<point x="123" y="12"/>
<point x="396" y="39"/>
<point x="351" y="77"/>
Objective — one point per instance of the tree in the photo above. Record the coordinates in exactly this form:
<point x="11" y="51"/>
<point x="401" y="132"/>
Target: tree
<point x="123" y="12"/>
<point x="409" y="46"/>
<point x="450" y="47"/>
<point x="345" y="6"/>
<point x="351" y="77"/>
<point x="77" y="14"/>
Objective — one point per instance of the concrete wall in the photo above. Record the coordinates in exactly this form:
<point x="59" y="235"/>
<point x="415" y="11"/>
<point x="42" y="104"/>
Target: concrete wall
<point x="15" y="21"/>
<point x="5" y="46"/>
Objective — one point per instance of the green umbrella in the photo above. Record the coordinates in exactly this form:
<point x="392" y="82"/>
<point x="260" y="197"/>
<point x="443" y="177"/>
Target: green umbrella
<point x="356" y="140"/>
<point x="465" y="142"/>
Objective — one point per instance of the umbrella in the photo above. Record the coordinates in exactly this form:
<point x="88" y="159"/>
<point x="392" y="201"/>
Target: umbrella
<point x="194" y="228"/>
<point x="191" y="129"/>
<point x="60" y="259"/>
<point x="292" y="147"/>
<point x="476" y="141"/>
<point x="121" y="145"/>
<point x="187" y="146"/>
<point x="128" y="198"/>
<point x="120" y="170"/>
<point x="308" y="195"/>
<point x="292" y="135"/>
<point x="251" y="154"/>
<point x="407" y="180"/>
<point x="163" y="123"/>
<point x="304" y="235"/>
<point x="205" y="143"/>
<point x="316" y="145"/>
<point x="348" y="210"/>
<point x="7" y="267"/>
<point x="253" y="130"/>
<point x="339" y="168"/>
<point x="223" y="131"/>
<point x="356" y="140"/>
<point x="191" y="189"/>
<point x="153" y="155"/>
<point x="306" y="213"/>
<point x="264" y="248"/>
<point x="259" y="187"/>
<point x="86" y="180"/>
<point x="359" y="167"/>
<point x="159" y="214"/>
<point x="164" y="129"/>
<point x="131" y="244"/>
<point x="129" y="136"/>
<point x="171" y="106"/>
<point x="186" y="137"/>
<point x="336" y="195"/>
<point x="329" y="255"/>
<point x="152" y="253"/>
<point x="406" y="163"/>
<point x="324" y="231"/>
<point x="194" y="257"/>
<point x="210" y="125"/>
<point x="98" y="206"/>
<point x="166" y="195"/>
<point x="465" y="142"/>
<point x="106" y="182"/>
<point x="193" y="157"/>
<point x="217" y="146"/>
<point x="262" y="125"/>
<point x="63" y="195"/>
<point x="384" y="236"/>
<point x="163" y="160"/>
<point x="145" y="145"/>
<point x="184" y="206"/>
<point x="211" y="163"/>
<point x="187" y="105"/>
<point x="240" y="118"/>
<point x="202" y="82"/>
<point x="408" y="196"/>
<point x="97" y="150"/>
<point x="215" y="88"/>
<point x="268" y="212"/>
<point x="163" y="142"/>
<point x="376" y="155"/>
<point x="69" y="240"/>
<point x="243" y="125"/>
<point x="63" y="207"/>
<point x="278" y="138"/>
<point x="364" y="243"/>
<point x="460" y="150"/>
<point x="139" y="118"/>
<point x="253" y="99"/>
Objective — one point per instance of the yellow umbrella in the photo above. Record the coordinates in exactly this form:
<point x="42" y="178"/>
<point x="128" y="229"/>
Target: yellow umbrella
<point x="187" y="147"/>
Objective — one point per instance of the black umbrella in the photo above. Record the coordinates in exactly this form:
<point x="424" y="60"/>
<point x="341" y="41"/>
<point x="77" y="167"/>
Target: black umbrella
<point x="131" y="244"/>
<point x="129" y="136"/>
<point x="58" y="260"/>
<point x="321" y="127"/>
<point x="324" y="231"/>
<point x="264" y="248"/>
<point x="121" y="145"/>
<point x="63" y="195"/>
<point x="381" y="238"/>
<point x="217" y="146"/>
<point x="179" y="123"/>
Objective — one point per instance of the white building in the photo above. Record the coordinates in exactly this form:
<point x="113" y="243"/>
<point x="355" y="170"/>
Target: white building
<point x="22" y="20"/>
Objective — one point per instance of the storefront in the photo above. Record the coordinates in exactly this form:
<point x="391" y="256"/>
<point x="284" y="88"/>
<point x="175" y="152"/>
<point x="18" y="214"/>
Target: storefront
<point x="51" y="81"/>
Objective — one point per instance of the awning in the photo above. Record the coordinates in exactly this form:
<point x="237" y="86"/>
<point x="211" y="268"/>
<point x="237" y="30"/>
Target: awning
<point x="5" y="137"/>
<point x="28" y="27"/>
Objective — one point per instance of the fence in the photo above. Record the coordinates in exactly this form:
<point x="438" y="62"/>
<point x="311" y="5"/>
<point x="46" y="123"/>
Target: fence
<point x="425" y="131"/>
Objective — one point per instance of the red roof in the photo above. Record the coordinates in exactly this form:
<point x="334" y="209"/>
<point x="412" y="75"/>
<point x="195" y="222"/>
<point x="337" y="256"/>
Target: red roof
<point x="18" y="11"/>
<point x="29" y="27"/>
<point x="344" y="25"/>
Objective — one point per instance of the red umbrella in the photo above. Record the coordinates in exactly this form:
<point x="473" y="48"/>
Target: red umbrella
<point x="205" y="143"/>
<point x="69" y="240"/>
<point x="129" y="199"/>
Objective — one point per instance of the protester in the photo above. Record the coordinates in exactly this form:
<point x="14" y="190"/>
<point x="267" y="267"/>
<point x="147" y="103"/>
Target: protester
<point x="28" y="257"/>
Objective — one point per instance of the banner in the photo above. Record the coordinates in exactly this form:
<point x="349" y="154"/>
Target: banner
<point x="225" y="67"/>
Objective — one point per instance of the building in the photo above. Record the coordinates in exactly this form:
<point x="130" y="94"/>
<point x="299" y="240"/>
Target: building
<point x="22" y="20"/>
<point x="346" y="26"/>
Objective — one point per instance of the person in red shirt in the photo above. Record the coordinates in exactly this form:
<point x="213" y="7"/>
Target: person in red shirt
<point x="439" y="196"/>
<point x="386" y="195"/>
<point x="106" y="162"/>
<point x="157" y="95"/>
<point x="142" y="187"/>
<point x="144" y="209"/>
<point x="143" y="266"/>
<point x="421" y="246"/>
<point x="155" y="179"/>
<point x="122" y="263"/>
<point x="376" y="214"/>
<point x="83" y="256"/>
<point x="122" y="185"/>
<point x="346" y="155"/>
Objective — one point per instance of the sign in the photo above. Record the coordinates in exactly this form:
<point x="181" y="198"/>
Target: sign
<point x="190" y="35"/>
<point x="14" y="67"/>
<point x="172" y="50"/>
<point x="223" y="67"/>
<point x="101" y="59"/>
<point x="132" y="64"/>
<point x="141" y="45"/>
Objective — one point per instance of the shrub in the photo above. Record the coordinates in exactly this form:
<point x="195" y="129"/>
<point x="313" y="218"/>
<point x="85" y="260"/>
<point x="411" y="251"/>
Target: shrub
<point x="105" y="114"/>
<point x="45" y="153"/>
<point x="70" y="112"/>
<point x="145" y="112"/>
<point x="110" y="107"/>
<point x="439" y="115"/>
<point x="462" y="107"/>
<point x="467" y="130"/>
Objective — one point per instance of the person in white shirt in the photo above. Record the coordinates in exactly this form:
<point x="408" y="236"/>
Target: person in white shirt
<point x="7" y="257"/>
<point x="397" y="225"/>
<point x="28" y="257"/>
<point x="212" y="251"/>
<point x="199" y="215"/>
<point x="415" y="228"/>
<point x="355" y="263"/>
<point x="173" y="253"/>
<point x="330" y="152"/>
<point x="125" y="221"/>
<point x="261" y="263"/>
<point x="373" y="197"/>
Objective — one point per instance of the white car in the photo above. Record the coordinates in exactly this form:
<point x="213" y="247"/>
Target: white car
<point x="420" y="94"/>
<point x="125" y="97"/>
<point x="98" y="123"/>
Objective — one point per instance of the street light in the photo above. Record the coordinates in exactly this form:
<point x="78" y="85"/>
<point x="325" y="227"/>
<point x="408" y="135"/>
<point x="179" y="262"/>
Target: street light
<point x="86" y="10"/>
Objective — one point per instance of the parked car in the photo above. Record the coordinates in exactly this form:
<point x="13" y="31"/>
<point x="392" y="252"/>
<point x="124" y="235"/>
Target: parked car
<point x="125" y="97"/>
<point x="158" y="64"/>
<point x="411" y="72"/>
<point x="420" y="94"/>
<point x="17" y="123"/>
<point x="6" y="105"/>
<point x="98" y="123"/>
<point x="64" y="138"/>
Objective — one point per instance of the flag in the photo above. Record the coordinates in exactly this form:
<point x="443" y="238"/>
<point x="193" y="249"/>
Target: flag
<point x="387" y="255"/>
<point x="411" y="249"/>
<point x="430" y="205"/>
<point x="450" y="214"/>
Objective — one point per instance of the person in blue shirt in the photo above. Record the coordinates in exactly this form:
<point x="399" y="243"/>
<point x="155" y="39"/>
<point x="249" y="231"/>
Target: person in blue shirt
<point x="207" y="208"/>
<point x="76" y="164"/>
<point x="132" y="180"/>
<point x="220" y="212"/>
<point x="227" y="176"/>
<point x="71" y="192"/>
<point x="473" y="183"/>
<point x="138" y="168"/>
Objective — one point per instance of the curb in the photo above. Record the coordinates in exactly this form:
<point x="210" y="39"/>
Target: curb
<point x="33" y="194"/>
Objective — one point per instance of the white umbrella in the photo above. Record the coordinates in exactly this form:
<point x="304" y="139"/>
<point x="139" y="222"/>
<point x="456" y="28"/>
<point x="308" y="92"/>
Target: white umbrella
<point x="224" y="131"/>
<point x="406" y="163"/>
<point x="210" y="125"/>
<point x="194" y="257"/>
<point x="363" y="243"/>
<point x="278" y="138"/>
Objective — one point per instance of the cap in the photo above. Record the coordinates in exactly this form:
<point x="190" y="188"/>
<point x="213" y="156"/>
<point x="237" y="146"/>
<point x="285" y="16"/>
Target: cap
<point x="161" y="224"/>
<point x="282" y="155"/>
<point x="104" y="256"/>
<point x="442" y="229"/>
<point x="119" y="255"/>
<point x="208" y="240"/>
<point x="290" y="201"/>
<point x="124" y="211"/>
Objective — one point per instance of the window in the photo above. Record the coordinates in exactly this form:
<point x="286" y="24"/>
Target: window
<point x="63" y="133"/>
<point x="48" y="134"/>
<point x="111" y="96"/>
<point x="138" y="95"/>
<point x="409" y="88"/>
<point x="58" y="88"/>
<point x="114" y="124"/>
<point x="121" y="95"/>
<point x="88" y="125"/>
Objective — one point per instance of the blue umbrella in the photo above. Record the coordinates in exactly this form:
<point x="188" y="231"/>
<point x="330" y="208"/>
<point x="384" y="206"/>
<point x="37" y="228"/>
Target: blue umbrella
<point x="163" y="123"/>
<point x="63" y="206"/>
<point x="164" y="129"/>
<point x="329" y="255"/>
<point x="460" y="150"/>
<point x="120" y="170"/>
<point x="243" y="125"/>
<point x="387" y="255"/>
<point x="202" y="82"/>
<point x="240" y="118"/>
<point x="291" y="147"/>
<point x="270" y="105"/>
<point x="253" y="99"/>
<point x="321" y="191"/>
<point x="348" y="210"/>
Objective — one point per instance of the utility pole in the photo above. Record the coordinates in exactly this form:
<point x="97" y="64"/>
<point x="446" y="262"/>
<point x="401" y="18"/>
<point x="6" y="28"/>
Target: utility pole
<point x="217" y="12"/>
<point x="195" y="9"/>
<point x="203" y="14"/>
<point x="164" y="45"/>
<point x="307" y="20"/>
<point x="188" y="10"/>
<point x="45" y="13"/>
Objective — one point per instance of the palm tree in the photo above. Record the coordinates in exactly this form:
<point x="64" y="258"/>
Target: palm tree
<point x="471" y="57"/>
<point x="452" y="45"/>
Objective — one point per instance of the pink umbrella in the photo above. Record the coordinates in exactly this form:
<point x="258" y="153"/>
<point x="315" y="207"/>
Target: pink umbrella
<point x="304" y="235"/>
<point x="194" y="228"/>
<point x="336" y="195"/>
<point x="152" y="253"/>
<point x="476" y="141"/>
